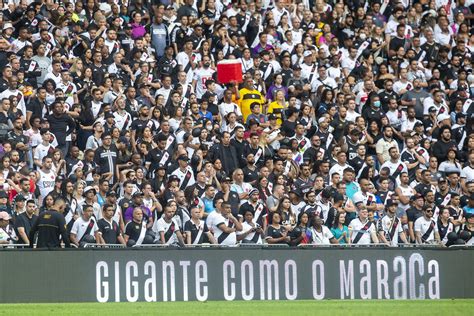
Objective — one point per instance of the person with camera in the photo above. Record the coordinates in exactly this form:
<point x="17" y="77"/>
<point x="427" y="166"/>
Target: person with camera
<point x="7" y="232"/>
<point x="252" y="231"/>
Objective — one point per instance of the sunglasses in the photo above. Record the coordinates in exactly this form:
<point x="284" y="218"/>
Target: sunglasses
<point x="429" y="211"/>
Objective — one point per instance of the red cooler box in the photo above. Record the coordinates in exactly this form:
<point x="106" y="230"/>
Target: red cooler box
<point x="229" y="70"/>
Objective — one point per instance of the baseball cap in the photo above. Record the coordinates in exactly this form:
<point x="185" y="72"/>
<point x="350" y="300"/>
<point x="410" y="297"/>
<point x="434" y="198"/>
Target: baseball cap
<point x="417" y="196"/>
<point x="442" y="179"/>
<point x="3" y="195"/>
<point x="123" y="139"/>
<point x="296" y="67"/>
<point x="136" y="194"/>
<point x="443" y="116"/>
<point x="89" y="188"/>
<point x="19" y="198"/>
<point x="173" y="178"/>
<point x="307" y="53"/>
<point x="111" y="193"/>
<point x="272" y="117"/>
<point x="390" y="202"/>
<point x="183" y="158"/>
<point x="5" y="216"/>
<point x="8" y="25"/>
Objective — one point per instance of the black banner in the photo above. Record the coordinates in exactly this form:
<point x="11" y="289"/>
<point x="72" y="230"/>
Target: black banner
<point x="130" y="275"/>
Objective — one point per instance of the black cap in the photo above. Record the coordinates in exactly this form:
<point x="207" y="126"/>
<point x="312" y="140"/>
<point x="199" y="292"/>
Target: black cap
<point x="297" y="67"/>
<point x="110" y="193"/>
<point x="390" y="202"/>
<point x="183" y="158"/>
<point x="173" y="178"/>
<point x="19" y="197"/>
<point x="137" y="194"/>
<point x="272" y="117"/>
<point x="442" y="179"/>
<point x="417" y="196"/>
<point x="3" y="195"/>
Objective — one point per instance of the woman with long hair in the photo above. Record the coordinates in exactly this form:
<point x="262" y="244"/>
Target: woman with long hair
<point x="87" y="58"/>
<point x="288" y="218"/>
<point x="444" y="225"/>
<point x="327" y="100"/>
<point x="278" y="106"/>
<point x="340" y="230"/>
<point x="263" y="188"/>
<point x="297" y="57"/>
<point x="451" y="164"/>
<point x="59" y="164"/>
<point x="50" y="87"/>
<point x="300" y="235"/>
<point x="156" y="117"/>
<point x="275" y="87"/>
<point x="5" y="166"/>
<point x="276" y="233"/>
<point x="48" y="202"/>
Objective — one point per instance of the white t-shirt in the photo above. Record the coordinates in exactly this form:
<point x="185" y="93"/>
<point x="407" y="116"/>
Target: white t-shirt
<point x="250" y="237"/>
<point x="231" y="239"/>
<point x="386" y="224"/>
<point x="468" y="173"/>
<point x="395" y="167"/>
<point x="422" y="225"/>
<point x="321" y="238"/>
<point x="42" y="151"/>
<point x="79" y="227"/>
<point x="355" y="226"/>
<point x="201" y="75"/>
<point x="162" y="226"/>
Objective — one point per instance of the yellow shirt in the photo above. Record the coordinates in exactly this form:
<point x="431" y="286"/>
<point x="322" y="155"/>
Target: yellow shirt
<point x="277" y="106"/>
<point x="248" y="97"/>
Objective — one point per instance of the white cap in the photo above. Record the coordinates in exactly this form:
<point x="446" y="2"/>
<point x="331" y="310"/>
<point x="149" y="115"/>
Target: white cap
<point x="7" y="26"/>
<point x="307" y="53"/>
<point x="443" y="116"/>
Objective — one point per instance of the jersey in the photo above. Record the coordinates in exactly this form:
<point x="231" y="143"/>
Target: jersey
<point x="186" y="178"/>
<point x="109" y="231"/>
<point x="227" y="239"/>
<point x="82" y="227"/>
<point x="46" y="181"/>
<point x="251" y="238"/>
<point x="169" y="229"/>
<point x="197" y="231"/>
<point x="391" y="227"/>
<point x="247" y="97"/>
<point x="364" y="229"/>
<point x="201" y="75"/>
<point x="422" y="225"/>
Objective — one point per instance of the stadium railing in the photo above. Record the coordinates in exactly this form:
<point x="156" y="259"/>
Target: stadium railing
<point x="261" y="246"/>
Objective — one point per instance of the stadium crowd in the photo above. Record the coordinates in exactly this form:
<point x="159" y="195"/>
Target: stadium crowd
<point x="352" y="124"/>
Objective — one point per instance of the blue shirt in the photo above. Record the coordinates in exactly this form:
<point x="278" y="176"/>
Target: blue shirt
<point x="337" y="232"/>
<point x="468" y="210"/>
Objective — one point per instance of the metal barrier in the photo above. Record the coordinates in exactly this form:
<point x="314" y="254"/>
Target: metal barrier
<point x="250" y="246"/>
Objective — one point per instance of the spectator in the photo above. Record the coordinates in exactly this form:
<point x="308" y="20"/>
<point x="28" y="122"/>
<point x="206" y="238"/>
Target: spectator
<point x="137" y="100"/>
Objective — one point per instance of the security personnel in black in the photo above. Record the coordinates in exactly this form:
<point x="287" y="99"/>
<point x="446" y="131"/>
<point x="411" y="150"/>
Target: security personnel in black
<point x="51" y="227"/>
